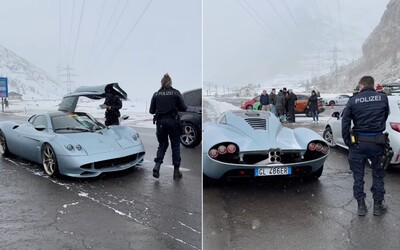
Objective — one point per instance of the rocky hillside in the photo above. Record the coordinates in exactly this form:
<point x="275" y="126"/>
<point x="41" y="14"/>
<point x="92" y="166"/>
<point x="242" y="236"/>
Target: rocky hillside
<point x="27" y="79"/>
<point x="381" y="57"/>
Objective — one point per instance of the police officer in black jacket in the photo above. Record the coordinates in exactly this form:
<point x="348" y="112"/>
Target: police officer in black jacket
<point x="113" y="105"/>
<point x="368" y="110"/>
<point x="165" y="105"/>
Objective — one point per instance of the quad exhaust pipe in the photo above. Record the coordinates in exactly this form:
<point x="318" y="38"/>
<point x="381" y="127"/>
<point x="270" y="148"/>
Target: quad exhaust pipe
<point x="274" y="155"/>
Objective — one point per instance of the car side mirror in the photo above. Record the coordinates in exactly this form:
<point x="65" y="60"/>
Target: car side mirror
<point x="40" y="127"/>
<point x="335" y="114"/>
<point x="125" y="117"/>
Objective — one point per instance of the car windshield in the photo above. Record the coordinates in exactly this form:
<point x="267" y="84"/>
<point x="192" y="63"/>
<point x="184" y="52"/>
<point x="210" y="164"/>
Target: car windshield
<point x="67" y="123"/>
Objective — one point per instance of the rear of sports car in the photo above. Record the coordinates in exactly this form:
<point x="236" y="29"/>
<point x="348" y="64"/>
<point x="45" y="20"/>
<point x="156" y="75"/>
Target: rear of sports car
<point x="107" y="150"/>
<point x="256" y="144"/>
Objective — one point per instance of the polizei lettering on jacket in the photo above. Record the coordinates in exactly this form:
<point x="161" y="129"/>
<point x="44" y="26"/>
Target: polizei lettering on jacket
<point x="165" y="93"/>
<point x="375" y="98"/>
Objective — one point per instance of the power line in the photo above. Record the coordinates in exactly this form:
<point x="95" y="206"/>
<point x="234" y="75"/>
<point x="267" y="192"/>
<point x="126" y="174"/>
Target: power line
<point x="95" y="35"/>
<point x="115" y="27"/>
<point x="109" y="21"/>
<point x="279" y="15"/>
<point x="79" y="29"/>
<point x="290" y="13"/>
<point x="70" y="28"/>
<point x="262" y="24"/>
<point x="132" y="29"/>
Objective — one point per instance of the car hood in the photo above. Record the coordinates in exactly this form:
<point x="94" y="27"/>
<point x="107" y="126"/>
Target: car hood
<point x="102" y="141"/>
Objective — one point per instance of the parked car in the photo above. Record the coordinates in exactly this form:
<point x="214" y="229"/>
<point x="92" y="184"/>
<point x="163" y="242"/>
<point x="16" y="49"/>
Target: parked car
<point x="338" y="100"/>
<point x="249" y="104"/>
<point x="73" y="143"/>
<point x="191" y="119"/>
<point x="251" y="143"/>
<point x="333" y="130"/>
<point x="301" y="104"/>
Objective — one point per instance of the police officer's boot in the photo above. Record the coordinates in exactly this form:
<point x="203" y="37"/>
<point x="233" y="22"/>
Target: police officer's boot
<point x="379" y="207"/>
<point x="177" y="173"/>
<point x="156" y="170"/>
<point x="362" y="208"/>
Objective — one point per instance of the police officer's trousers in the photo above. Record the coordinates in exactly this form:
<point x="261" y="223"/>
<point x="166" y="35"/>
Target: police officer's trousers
<point x="358" y="155"/>
<point x="168" y="128"/>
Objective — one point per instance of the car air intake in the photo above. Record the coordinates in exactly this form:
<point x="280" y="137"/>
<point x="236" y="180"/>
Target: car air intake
<point x="257" y="123"/>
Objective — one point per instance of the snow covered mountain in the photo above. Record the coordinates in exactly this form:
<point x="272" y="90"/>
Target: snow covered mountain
<point x="381" y="57"/>
<point x="27" y="79"/>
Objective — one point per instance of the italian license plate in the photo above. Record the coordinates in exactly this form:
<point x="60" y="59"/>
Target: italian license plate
<point x="272" y="171"/>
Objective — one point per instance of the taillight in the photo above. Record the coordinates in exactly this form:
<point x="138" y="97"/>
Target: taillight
<point x="395" y="126"/>
<point x="312" y="146"/>
<point x="222" y="149"/>
<point x="231" y="148"/>
<point x="213" y="153"/>
<point x="325" y="150"/>
<point x="319" y="147"/>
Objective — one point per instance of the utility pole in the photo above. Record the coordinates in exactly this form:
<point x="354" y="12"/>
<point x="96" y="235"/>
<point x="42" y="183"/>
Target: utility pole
<point x="68" y="77"/>
<point x="335" y="59"/>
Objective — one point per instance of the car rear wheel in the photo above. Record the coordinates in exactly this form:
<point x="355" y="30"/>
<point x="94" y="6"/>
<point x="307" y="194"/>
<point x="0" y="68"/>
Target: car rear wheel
<point x="328" y="136"/>
<point x="249" y="107"/>
<point x="316" y="174"/>
<point x="49" y="160"/>
<point x="190" y="137"/>
<point x="3" y="145"/>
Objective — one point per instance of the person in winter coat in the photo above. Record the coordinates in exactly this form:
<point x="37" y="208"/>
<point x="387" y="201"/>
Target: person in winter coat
<point x="113" y="105"/>
<point x="272" y="101"/>
<point x="280" y="105"/>
<point x="264" y="101"/>
<point x="313" y="106"/>
<point x="291" y="104"/>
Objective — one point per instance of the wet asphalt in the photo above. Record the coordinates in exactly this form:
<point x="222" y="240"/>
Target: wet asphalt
<point x="283" y="213"/>
<point x="124" y="210"/>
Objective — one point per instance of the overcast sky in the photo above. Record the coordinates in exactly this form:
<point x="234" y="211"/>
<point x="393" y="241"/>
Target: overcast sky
<point x="270" y="42"/>
<point x="107" y="41"/>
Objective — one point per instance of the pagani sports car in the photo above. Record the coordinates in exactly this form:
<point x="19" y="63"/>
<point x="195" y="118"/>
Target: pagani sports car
<point x="249" y="143"/>
<point x="73" y="143"/>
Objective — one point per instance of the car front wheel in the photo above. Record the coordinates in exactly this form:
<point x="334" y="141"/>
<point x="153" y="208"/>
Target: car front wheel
<point x="328" y="136"/>
<point x="190" y="137"/>
<point x="49" y="160"/>
<point x="3" y="145"/>
<point x="249" y="107"/>
<point x="332" y="103"/>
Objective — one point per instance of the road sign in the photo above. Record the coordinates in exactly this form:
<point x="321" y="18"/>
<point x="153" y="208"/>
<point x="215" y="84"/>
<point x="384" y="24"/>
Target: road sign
<point x="3" y="87"/>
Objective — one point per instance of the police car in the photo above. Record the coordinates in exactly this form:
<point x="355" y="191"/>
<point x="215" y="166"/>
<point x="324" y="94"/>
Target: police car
<point x="333" y="130"/>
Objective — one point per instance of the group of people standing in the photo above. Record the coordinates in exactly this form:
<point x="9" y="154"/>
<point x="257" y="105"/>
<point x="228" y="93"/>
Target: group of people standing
<point x="282" y="104"/>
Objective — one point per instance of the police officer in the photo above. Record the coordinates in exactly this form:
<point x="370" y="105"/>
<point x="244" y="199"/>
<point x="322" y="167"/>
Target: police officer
<point x="113" y="105"/>
<point x="368" y="110"/>
<point x="165" y="105"/>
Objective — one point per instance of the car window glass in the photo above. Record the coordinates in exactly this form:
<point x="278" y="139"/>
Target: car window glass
<point x="40" y="120"/>
<point x="193" y="98"/>
<point x="257" y="99"/>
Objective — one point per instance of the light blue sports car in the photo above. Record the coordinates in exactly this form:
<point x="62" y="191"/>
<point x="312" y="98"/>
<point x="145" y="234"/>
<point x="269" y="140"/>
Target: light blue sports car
<point x="73" y="143"/>
<point x="250" y="143"/>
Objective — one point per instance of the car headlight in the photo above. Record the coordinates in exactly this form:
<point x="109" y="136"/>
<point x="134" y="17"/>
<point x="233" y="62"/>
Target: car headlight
<point x="69" y="147"/>
<point x="78" y="147"/>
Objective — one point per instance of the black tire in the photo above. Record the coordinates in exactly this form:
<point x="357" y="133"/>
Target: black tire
<point x="314" y="176"/>
<point x="207" y="181"/>
<point x="249" y="107"/>
<point x="3" y="145"/>
<point x="191" y="136"/>
<point x="328" y="136"/>
<point x="49" y="160"/>
<point x="331" y="103"/>
<point x="259" y="107"/>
